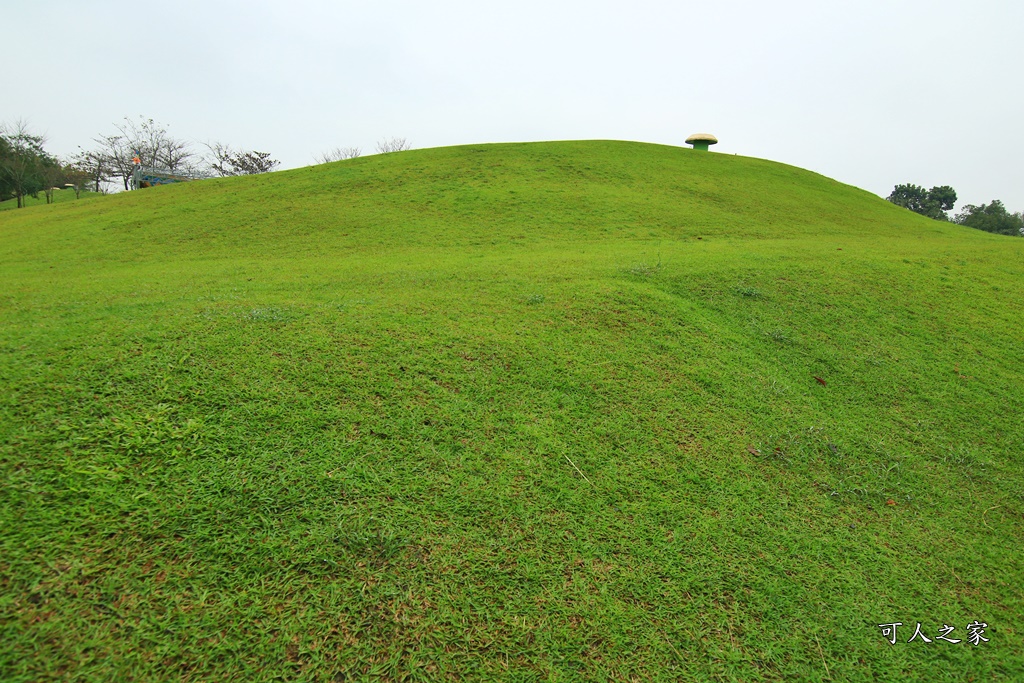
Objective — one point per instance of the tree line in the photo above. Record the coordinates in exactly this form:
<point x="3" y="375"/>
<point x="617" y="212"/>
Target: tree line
<point x="27" y="168"/>
<point x="938" y="201"/>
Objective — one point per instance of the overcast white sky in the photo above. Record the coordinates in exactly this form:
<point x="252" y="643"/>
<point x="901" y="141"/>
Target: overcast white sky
<point x="871" y="93"/>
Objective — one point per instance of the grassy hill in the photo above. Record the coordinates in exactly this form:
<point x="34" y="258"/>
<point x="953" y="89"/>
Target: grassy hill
<point x="553" y="411"/>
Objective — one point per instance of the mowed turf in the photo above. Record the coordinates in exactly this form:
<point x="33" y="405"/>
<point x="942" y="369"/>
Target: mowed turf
<point x="528" y="412"/>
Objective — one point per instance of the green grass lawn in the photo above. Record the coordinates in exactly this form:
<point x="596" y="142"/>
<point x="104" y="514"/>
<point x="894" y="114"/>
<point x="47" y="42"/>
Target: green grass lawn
<point x="527" y="412"/>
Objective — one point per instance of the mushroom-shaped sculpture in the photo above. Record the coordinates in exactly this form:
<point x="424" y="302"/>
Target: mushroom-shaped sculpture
<point x="702" y="141"/>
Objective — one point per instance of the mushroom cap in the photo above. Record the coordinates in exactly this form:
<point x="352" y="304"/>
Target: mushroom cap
<point x="702" y="137"/>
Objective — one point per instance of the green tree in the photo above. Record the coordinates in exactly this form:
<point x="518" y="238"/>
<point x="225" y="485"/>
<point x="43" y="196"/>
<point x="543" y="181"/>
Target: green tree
<point x="992" y="217"/>
<point x="22" y="162"/>
<point x="933" y="203"/>
<point x="6" y="188"/>
<point x="52" y="175"/>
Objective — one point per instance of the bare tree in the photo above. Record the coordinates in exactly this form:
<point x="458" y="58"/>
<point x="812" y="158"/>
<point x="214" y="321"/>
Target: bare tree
<point x="117" y="153"/>
<point x="393" y="145"/>
<point x="222" y="160"/>
<point x="151" y="144"/>
<point x="96" y="167"/>
<point x="337" y="154"/>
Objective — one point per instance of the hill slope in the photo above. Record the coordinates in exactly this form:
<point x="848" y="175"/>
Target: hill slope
<point x="576" y="410"/>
